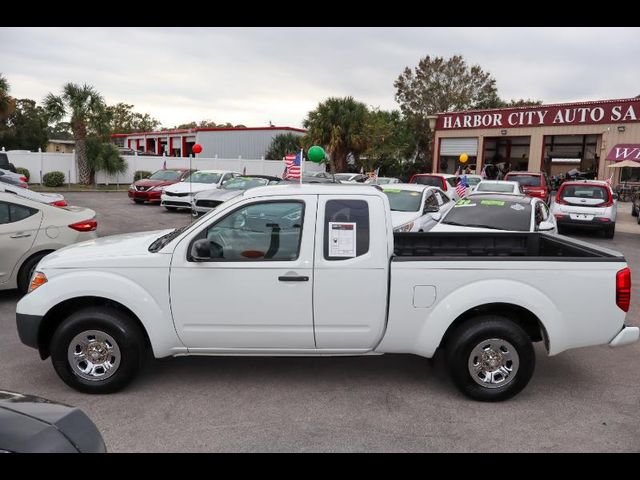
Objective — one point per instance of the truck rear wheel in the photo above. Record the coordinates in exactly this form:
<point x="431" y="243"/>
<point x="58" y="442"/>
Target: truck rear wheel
<point x="97" y="350"/>
<point x="490" y="358"/>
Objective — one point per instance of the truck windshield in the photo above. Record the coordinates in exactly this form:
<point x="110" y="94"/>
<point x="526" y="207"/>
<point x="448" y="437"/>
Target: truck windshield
<point x="403" y="200"/>
<point x="165" y="175"/>
<point x="494" y="214"/>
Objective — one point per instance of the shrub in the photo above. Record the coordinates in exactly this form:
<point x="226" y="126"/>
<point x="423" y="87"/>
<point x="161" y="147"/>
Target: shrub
<point x="140" y="174"/>
<point x="23" y="171"/>
<point x="53" y="179"/>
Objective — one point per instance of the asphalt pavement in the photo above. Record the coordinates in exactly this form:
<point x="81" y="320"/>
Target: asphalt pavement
<point x="582" y="400"/>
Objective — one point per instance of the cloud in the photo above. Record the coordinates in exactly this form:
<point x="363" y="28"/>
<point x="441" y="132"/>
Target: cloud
<point x="256" y="75"/>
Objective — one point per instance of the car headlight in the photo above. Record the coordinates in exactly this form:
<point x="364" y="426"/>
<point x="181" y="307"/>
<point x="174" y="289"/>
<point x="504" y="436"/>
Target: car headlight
<point x="37" y="280"/>
<point x="157" y="189"/>
<point x="132" y="187"/>
<point x="404" y="228"/>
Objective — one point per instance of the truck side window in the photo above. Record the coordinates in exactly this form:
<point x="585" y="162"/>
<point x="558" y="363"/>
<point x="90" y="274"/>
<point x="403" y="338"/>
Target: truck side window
<point x="348" y="211"/>
<point x="266" y="231"/>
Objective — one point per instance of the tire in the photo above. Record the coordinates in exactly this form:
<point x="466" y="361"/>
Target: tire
<point x="109" y="327"/>
<point x="503" y="336"/>
<point x="171" y="209"/>
<point x="609" y="232"/>
<point x="138" y="201"/>
<point x="26" y="271"/>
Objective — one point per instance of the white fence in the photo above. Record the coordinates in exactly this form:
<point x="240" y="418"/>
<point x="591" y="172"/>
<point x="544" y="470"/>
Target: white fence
<point x="39" y="163"/>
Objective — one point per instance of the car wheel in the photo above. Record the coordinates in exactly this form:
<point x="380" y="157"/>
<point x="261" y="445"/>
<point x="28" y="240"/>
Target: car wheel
<point x="97" y="350"/>
<point x="26" y="272"/>
<point x="171" y="209"/>
<point x="609" y="232"/>
<point x="490" y="358"/>
<point x="138" y="201"/>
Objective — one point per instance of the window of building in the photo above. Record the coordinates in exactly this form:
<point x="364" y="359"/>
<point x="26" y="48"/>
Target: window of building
<point x="506" y="154"/>
<point x="567" y="152"/>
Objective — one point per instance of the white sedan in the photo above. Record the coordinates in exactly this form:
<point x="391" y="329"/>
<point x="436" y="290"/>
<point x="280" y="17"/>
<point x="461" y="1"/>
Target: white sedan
<point x="415" y="207"/>
<point x="351" y="177"/>
<point x="498" y="186"/>
<point x="180" y="195"/>
<point x="488" y="212"/>
<point x="30" y="230"/>
<point x="54" y="199"/>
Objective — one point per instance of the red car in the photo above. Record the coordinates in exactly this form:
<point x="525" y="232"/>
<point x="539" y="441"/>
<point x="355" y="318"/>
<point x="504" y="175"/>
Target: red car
<point x="534" y="184"/>
<point x="150" y="189"/>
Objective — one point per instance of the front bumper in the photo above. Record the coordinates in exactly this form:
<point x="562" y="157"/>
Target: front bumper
<point x="178" y="202"/>
<point x="28" y="328"/>
<point x="147" y="196"/>
<point x="626" y="336"/>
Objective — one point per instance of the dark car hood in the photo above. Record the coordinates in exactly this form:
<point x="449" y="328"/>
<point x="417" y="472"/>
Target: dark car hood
<point x="35" y="424"/>
<point x="146" y="182"/>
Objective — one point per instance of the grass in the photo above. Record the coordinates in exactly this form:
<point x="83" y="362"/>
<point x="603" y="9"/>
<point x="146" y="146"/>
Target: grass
<point x="76" y="187"/>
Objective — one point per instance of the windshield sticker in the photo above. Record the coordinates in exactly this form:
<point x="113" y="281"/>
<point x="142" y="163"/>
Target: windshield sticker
<point x="517" y="207"/>
<point x="465" y="202"/>
<point x="498" y="203"/>
<point x="392" y="190"/>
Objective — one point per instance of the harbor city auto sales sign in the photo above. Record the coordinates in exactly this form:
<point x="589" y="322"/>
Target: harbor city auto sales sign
<point x="590" y="113"/>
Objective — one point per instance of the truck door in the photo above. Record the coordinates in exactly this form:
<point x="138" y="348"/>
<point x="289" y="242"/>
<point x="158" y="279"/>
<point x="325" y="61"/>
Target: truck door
<point x="254" y="292"/>
<point x="351" y="272"/>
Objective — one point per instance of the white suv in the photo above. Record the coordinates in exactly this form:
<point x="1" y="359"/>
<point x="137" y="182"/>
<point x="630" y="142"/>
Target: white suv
<point x="586" y="203"/>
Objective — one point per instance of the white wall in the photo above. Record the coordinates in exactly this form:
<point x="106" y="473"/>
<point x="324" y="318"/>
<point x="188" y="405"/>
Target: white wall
<point x="37" y="163"/>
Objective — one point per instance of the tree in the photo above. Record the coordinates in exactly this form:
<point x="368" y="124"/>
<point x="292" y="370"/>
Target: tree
<point x="390" y="142"/>
<point x="122" y="119"/>
<point x="25" y="128"/>
<point x="60" y="131"/>
<point x="338" y="124"/>
<point x="439" y="85"/>
<point x="103" y="157"/>
<point x="85" y="106"/>
<point x="283" y="144"/>
<point x="7" y="103"/>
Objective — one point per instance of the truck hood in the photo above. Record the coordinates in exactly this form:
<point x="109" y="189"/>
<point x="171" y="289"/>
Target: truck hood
<point x="111" y="247"/>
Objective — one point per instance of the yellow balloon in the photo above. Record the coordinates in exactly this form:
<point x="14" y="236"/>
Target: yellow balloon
<point x="464" y="157"/>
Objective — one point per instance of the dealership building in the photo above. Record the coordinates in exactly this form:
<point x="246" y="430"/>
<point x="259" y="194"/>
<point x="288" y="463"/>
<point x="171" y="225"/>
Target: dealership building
<point x="236" y="142"/>
<point x="556" y="138"/>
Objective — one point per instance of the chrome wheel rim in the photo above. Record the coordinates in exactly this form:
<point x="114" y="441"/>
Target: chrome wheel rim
<point x="93" y="355"/>
<point x="493" y="363"/>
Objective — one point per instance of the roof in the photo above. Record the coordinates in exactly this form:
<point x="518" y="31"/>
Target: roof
<point x="205" y="129"/>
<point x="503" y="197"/>
<point x="599" y="183"/>
<point x="313" y="189"/>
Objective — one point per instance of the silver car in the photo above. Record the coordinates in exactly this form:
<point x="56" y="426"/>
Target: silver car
<point x="209" y="199"/>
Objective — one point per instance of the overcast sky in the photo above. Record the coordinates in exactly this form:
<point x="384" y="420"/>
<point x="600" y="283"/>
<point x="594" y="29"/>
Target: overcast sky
<point x="256" y="75"/>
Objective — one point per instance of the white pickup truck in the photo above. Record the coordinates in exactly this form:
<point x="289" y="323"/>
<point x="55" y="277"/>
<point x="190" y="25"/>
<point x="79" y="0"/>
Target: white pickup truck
<point x="317" y="270"/>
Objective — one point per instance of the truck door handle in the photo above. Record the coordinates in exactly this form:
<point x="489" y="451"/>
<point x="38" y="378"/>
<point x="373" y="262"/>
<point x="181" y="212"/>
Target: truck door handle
<point x="293" y="279"/>
<point x="20" y="235"/>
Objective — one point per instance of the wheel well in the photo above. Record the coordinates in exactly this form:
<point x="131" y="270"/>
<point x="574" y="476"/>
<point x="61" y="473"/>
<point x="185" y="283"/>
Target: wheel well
<point x="54" y="317"/>
<point x="529" y="322"/>
<point x="41" y="252"/>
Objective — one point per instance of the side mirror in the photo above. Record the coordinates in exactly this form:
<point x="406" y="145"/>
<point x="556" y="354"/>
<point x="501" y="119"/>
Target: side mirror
<point x="546" y="226"/>
<point x="201" y="250"/>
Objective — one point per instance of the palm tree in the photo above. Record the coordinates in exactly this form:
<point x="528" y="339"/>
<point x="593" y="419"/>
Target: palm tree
<point x="7" y="103"/>
<point x="338" y="124"/>
<point x="84" y="105"/>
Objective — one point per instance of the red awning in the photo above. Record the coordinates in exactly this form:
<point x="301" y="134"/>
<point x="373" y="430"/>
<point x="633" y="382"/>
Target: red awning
<point x="625" y="151"/>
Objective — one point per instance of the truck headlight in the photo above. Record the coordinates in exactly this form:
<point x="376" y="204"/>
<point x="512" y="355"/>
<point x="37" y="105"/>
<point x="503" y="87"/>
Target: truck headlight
<point x="37" y="280"/>
<point x="404" y="228"/>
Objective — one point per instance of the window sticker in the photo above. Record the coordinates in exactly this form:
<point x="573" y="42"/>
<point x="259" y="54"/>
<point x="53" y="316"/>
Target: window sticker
<point x="465" y="202"/>
<point x="497" y="203"/>
<point x="517" y="207"/>
<point x="342" y="239"/>
<point x="392" y="190"/>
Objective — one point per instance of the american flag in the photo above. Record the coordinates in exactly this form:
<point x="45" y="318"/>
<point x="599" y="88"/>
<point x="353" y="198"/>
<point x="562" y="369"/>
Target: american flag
<point x="461" y="188"/>
<point x="459" y="170"/>
<point x="292" y="166"/>
<point x="610" y="180"/>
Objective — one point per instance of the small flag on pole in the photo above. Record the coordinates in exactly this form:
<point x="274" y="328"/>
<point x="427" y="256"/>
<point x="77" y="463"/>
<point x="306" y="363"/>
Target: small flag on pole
<point x="292" y="166"/>
<point x="459" y="170"/>
<point x="244" y="171"/>
<point x="164" y="165"/>
<point x="461" y="188"/>
<point x="610" y="180"/>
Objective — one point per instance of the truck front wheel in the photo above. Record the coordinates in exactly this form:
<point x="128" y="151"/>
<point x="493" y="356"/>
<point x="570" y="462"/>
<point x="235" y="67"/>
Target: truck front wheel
<point x="97" y="350"/>
<point x="490" y="358"/>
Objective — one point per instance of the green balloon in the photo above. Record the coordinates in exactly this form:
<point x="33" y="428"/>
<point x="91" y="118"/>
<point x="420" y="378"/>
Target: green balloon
<point x="316" y="154"/>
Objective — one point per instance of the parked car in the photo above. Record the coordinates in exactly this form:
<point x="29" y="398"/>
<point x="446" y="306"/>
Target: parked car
<point x="30" y="424"/>
<point x="180" y="195"/>
<point x="586" y="204"/>
<point x="534" y="184"/>
<point x="29" y="230"/>
<point x="5" y="164"/>
<point x="472" y="181"/>
<point x="415" y="207"/>
<point x="150" y="189"/>
<point x="351" y="177"/>
<point x="382" y="181"/>
<point x="489" y="211"/>
<point x="498" y="186"/>
<point x="318" y="271"/>
<point x="17" y="179"/>
<point x="205" y="201"/>
<point x="54" y="199"/>
<point x="446" y="182"/>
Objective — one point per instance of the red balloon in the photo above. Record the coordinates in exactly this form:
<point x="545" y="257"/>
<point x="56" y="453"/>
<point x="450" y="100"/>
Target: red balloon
<point x="197" y="148"/>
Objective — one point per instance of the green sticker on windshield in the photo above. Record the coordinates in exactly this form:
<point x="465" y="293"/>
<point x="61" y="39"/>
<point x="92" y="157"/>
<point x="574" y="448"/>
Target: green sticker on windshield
<point x="465" y="202"/>
<point x="392" y="190"/>
<point x="498" y="203"/>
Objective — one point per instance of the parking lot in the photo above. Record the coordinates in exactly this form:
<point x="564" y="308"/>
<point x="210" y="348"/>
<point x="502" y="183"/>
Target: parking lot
<point x="582" y="400"/>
